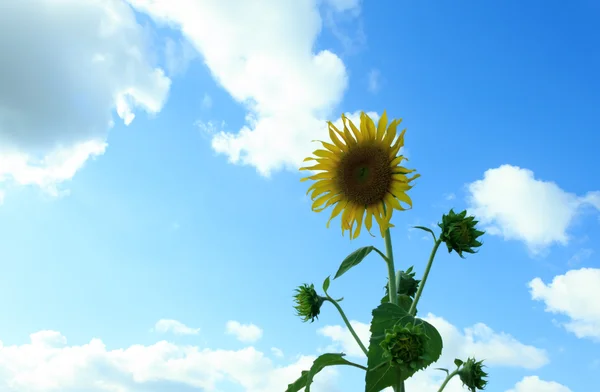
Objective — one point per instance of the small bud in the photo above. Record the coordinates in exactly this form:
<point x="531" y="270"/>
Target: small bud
<point x="308" y="303"/>
<point x="472" y="375"/>
<point x="407" y="284"/>
<point x="459" y="232"/>
<point x="405" y="346"/>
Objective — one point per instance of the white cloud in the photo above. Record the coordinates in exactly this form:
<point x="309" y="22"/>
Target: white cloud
<point x="374" y="81"/>
<point x="534" y="384"/>
<point x="1" y="197"/>
<point x="206" y="102"/>
<point x="574" y="294"/>
<point x="48" y="364"/>
<point x="67" y="68"/>
<point x="175" y="327"/>
<point x="450" y="196"/>
<point x="516" y="205"/>
<point x="277" y="352"/>
<point x="270" y="67"/>
<point x="479" y="340"/>
<point x="343" y="340"/>
<point x="246" y="333"/>
<point x="178" y="55"/>
<point x="482" y="342"/>
<point x="344" y="5"/>
<point x="579" y="256"/>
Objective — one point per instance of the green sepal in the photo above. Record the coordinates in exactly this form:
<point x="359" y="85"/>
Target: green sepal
<point x="382" y="373"/>
<point x="458" y="362"/>
<point x="319" y="364"/>
<point x="427" y="229"/>
<point x="326" y="285"/>
<point x="353" y="259"/>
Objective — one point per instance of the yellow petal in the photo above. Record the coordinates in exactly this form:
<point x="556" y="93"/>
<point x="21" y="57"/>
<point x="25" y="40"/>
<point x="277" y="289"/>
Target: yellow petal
<point x="397" y="145"/>
<point x="414" y="177"/>
<point x="391" y="132"/>
<point x="392" y="202"/>
<point x="369" y="220"/>
<point x="319" y="176"/>
<point x="331" y="147"/>
<point x="370" y="127"/>
<point x="381" y="126"/>
<point x="347" y="215"/>
<point x="320" y="201"/>
<point x="395" y="162"/>
<point x="331" y="201"/>
<point x="334" y="138"/>
<point x="320" y="190"/>
<point x="336" y="210"/>
<point x="358" y="215"/>
<point x="350" y="141"/>
<point x="357" y="133"/>
<point x="320" y="166"/>
<point x="318" y="184"/>
<point x="399" y="187"/>
<point x="327" y="154"/>
<point x="404" y="197"/>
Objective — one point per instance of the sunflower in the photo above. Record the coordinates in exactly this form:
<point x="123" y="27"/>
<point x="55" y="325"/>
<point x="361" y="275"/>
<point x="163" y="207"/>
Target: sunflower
<point x="359" y="174"/>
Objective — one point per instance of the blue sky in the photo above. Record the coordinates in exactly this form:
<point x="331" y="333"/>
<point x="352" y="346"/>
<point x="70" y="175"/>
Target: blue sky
<point x="161" y="252"/>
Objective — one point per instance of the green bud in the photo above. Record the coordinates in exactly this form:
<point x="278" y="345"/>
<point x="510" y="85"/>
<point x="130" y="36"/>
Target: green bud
<point x="459" y="232"/>
<point x="407" y="284"/>
<point x="406" y="346"/>
<point x="308" y="303"/>
<point x="472" y="375"/>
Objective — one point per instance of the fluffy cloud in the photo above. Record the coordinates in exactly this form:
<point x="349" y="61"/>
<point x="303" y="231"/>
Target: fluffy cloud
<point x="344" y="341"/>
<point x="534" y="384"/>
<point x="67" y="66"/>
<point x="516" y="205"/>
<point x="175" y="327"/>
<point x="48" y="364"/>
<point x="270" y="67"/>
<point x="480" y="341"/>
<point x="246" y="333"/>
<point x="574" y="294"/>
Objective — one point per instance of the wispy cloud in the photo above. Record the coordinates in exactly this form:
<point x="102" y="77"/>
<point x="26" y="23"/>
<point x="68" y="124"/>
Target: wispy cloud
<point x="246" y="333"/>
<point x="579" y="256"/>
<point x="374" y="81"/>
<point x="175" y="327"/>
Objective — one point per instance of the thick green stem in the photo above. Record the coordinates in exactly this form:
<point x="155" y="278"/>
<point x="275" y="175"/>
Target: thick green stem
<point x="352" y="331"/>
<point x="393" y="290"/>
<point x="448" y="378"/>
<point x="413" y="307"/>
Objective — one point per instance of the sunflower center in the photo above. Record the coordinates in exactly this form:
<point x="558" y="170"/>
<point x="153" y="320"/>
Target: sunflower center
<point x="364" y="174"/>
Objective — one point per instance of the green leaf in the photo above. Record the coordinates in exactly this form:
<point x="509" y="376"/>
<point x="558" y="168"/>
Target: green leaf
<point x="458" y="362"/>
<point x="426" y="229"/>
<point x="326" y="285"/>
<point x="321" y="362"/>
<point x="404" y="301"/>
<point x="443" y="370"/>
<point x="381" y="373"/>
<point x="353" y="259"/>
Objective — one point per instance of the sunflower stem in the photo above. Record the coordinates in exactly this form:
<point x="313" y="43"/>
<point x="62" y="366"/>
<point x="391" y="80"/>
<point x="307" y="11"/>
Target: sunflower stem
<point x="347" y="322"/>
<point x="413" y="306"/>
<point x="448" y="378"/>
<point x="393" y="291"/>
